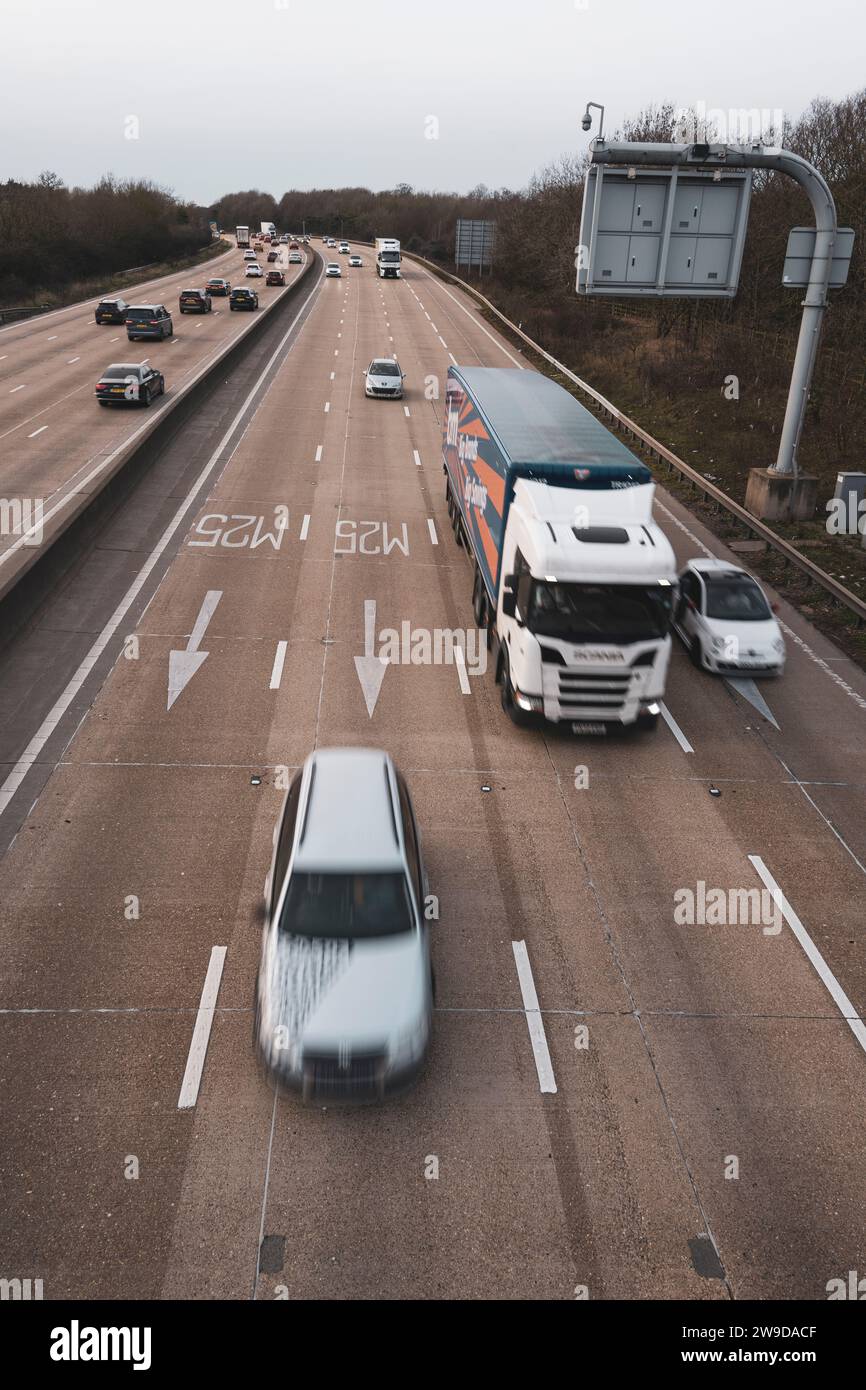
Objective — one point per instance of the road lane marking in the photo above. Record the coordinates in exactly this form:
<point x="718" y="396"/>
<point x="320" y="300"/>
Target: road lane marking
<point x="305" y="527"/>
<point x="327" y="407"/>
<point x="431" y="527"/>
<point x="463" y="678"/>
<point x="417" y="457"/>
<point x="406" y="411"/>
<point x="279" y="662"/>
<point x="453" y="358"/>
<point x="31" y="753"/>
<point x="477" y="322"/>
<point x="319" y="454"/>
<point x="333" y="375"/>
<point x="201" y="1033"/>
<point x="675" y="729"/>
<point x="443" y="342"/>
<point x="39" y="431"/>
<point x="70" y="360"/>
<point x="837" y="993"/>
<point x="543" y="1064"/>
<point x="17" y="388"/>
<point x="114" y="340"/>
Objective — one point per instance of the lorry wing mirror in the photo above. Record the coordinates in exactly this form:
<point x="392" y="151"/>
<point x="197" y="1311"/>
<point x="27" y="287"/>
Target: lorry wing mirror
<point x="509" y="604"/>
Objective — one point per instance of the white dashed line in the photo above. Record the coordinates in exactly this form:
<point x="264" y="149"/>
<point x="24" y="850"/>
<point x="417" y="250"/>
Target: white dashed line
<point x="305" y="526"/>
<point x="327" y="407"/>
<point x="417" y="457"/>
<point x="319" y="454"/>
<point x="201" y="1033"/>
<point x="431" y="527"/>
<point x="543" y="1064"/>
<point x="17" y="388"/>
<point x="39" y="431"/>
<point x="279" y="662"/>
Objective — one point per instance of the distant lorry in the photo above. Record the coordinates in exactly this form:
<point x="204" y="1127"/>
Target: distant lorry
<point x="242" y="236"/>
<point x="388" y="258"/>
<point x="574" y="581"/>
<point x="268" y="229"/>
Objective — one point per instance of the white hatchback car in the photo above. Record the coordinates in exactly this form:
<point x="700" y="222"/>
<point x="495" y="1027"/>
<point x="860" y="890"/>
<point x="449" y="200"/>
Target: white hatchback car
<point x="332" y="268"/>
<point x="344" y="996"/>
<point x="384" y="378"/>
<point x="254" y="272"/>
<point x="725" y="621"/>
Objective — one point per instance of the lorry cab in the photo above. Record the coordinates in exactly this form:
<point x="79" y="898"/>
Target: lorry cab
<point x="585" y="606"/>
<point x="574" y="581"/>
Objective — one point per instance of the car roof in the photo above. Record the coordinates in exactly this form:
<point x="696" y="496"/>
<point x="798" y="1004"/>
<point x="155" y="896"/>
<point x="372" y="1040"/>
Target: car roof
<point x="125" y="366"/>
<point x="349" y="818"/>
<point x="709" y="564"/>
<point x="392" y="361"/>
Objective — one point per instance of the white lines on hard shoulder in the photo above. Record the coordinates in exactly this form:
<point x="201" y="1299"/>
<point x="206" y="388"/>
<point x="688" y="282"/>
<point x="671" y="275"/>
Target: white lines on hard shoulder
<point x="825" y="974"/>
<point x="537" y="1036"/>
<point x="675" y="729"/>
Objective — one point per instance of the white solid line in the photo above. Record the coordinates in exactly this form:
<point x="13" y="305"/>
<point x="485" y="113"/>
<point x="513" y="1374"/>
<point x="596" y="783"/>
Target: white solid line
<point x="460" y="663"/>
<point x="279" y="660"/>
<point x="305" y="527"/>
<point x="417" y="457"/>
<point x="675" y="729"/>
<point x="319" y="454"/>
<point x="201" y="1033"/>
<point x="431" y="527"/>
<point x="39" y="431"/>
<point x="840" y="998"/>
<point x="543" y="1064"/>
<point x="61" y="705"/>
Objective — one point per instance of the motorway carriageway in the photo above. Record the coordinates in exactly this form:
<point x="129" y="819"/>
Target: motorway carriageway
<point x="52" y="433"/>
<point x="673" y="1117"/>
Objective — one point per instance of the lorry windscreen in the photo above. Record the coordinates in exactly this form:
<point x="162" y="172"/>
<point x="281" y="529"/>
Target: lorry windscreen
<point x="389" y="255"/>
<point x="618" y="613"/>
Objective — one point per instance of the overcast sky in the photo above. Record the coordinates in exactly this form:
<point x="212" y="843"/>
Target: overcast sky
<point x="233" y="94"/>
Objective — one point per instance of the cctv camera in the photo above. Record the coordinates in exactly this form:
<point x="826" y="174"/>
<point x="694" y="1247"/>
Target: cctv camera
<point x="586" y="121"/>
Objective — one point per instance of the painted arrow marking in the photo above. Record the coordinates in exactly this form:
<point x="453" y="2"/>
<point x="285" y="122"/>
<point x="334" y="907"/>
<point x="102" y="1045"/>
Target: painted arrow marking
<point x="750" y="692"/>
<point x="371" y="668"/>
<point x="182" y="666"/>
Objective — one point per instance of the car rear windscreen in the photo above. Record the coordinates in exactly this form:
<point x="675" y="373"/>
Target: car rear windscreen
<point x="141" y="315"/>
<point x="119" y="373"/>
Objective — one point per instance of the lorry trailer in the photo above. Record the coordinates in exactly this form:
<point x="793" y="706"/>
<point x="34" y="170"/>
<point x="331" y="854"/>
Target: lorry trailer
<point x="573" y="580"/>
<point x="242" y="236"/>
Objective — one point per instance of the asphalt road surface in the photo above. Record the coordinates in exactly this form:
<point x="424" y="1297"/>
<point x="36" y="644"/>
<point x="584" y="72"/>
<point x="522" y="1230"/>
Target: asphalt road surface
<point x="704" y="1137"/>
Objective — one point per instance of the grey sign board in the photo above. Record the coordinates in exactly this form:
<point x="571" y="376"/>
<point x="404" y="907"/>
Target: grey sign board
<point x="475" y="242"/>
<point x="668" y="232"/>
<point x="799" y="253"/>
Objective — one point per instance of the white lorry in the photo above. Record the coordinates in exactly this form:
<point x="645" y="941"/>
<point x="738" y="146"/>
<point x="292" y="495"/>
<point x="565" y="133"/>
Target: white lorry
<point x="387" y="258"/>
<point x="268" y="229"/>
<point x="573" y="580"/>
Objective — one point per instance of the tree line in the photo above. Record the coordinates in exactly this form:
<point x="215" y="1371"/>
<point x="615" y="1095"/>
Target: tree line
<point x="52" y="236"/>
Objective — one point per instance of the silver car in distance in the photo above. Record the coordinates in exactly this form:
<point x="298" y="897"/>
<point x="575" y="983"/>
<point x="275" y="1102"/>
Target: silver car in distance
<point x="343" y="1006"/>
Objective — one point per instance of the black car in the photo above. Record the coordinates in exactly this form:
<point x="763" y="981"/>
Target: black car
<point x="148" y="321"/>
<point x="111" y="311"/>
<point x="195" y="302"/>
<point x="243" y="299"/>
<point x="218" y="286"/>
<point x="129" y="383"/>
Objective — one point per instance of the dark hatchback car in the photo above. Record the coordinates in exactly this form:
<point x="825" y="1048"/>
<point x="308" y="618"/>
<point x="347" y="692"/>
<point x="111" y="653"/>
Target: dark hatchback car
<point x="148" y="321"/>
<point x="275" y="277"/>
<point x="129" y="383"/>
<point x="273" y="255"/>
<point x="243" y="299"/>
<point x="195" y="302"/>
<point x="111" y="311"/>
<point x="217" y="286"/>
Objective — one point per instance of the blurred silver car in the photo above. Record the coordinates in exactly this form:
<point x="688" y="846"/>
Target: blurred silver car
<point x="343" y="1005"/>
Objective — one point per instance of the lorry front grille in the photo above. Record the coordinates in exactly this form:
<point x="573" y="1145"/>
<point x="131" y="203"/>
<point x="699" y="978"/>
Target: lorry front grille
<point x="577" y="691"/>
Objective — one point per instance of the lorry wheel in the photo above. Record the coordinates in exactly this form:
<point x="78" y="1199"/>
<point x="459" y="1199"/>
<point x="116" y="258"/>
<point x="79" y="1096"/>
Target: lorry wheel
<point x="646" y="722"/>
<point x="455" y="526"/>
<point x="521" y="717"/>
<point x="479" y="601"/>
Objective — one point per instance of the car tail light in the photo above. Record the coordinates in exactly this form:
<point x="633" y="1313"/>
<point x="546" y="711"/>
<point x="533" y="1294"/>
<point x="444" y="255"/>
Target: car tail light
<point x="153" y="322"/>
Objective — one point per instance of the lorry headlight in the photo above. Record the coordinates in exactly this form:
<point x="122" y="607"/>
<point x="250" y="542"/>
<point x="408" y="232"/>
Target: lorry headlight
<point x="407" y="1047"/>
<point x="534" y="704"/>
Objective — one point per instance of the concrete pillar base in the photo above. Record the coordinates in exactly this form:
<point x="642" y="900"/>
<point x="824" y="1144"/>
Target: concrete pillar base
<point x="780" y="496"/>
